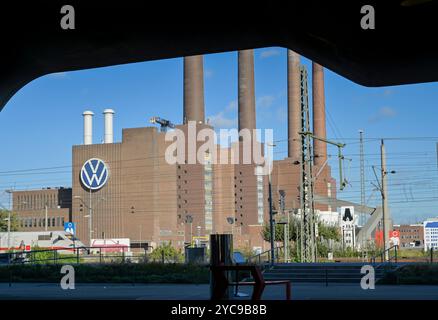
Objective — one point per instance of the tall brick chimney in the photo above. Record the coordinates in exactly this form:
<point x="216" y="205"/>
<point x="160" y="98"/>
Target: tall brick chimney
<point x="247" y="116"/>
<point x="319" y="128"/>
<point x="293" y="105"/>
<point x="194" y="89"/>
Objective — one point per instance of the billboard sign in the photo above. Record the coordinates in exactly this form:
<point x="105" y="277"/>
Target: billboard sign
<point x="394" y="238"/>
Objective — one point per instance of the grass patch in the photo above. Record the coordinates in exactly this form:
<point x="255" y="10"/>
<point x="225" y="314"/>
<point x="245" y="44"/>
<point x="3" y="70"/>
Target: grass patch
<point x="110" y="273"/>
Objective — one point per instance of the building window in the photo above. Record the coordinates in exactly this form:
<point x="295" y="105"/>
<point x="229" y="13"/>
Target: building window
<point x="208" y="192"/>
<point x="260" y="197"/>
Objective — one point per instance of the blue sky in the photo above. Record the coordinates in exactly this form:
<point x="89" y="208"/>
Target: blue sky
<point x="43" y="120"/>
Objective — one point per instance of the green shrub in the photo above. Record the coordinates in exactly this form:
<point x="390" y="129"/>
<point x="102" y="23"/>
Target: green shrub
<point x="111" y="273"/>
<point x="412" y="274"/>
<point x="168" y="253"/>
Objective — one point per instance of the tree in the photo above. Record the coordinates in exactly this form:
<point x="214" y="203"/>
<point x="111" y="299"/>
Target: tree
<point x="4" y="213"/>
<point x="294" y="227"/>
<point x="328" y="232"/>
<point x="325" y="233"/>
<point x="167" y="253"/>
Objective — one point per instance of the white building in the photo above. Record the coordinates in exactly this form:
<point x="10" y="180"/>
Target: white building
<point x="41" y="239"/>
<point x="430" y="234"/>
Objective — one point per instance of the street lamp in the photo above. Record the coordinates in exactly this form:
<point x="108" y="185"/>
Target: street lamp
<point x="286" y="225"/>
<point x="382" y="187"/>
<point x="189" y="219"/>
<point x="46" y="218"/>
<point x="230" y="220"/>
<point x="271" y="213"/>
<point x="89" y="215"/>
<point x="9" y="218"/>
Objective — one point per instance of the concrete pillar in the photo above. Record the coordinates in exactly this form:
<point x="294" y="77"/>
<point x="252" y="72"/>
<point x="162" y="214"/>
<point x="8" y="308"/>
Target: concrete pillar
<point x="247" y="116"/>
<point x="293" y="105"/>
<point x="319" y="126"/>
<point x="194" y="89"/>
<point x="88" y="127"/>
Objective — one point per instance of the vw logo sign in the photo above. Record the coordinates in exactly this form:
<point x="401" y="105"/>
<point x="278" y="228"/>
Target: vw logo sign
<point x="94" y="174"/>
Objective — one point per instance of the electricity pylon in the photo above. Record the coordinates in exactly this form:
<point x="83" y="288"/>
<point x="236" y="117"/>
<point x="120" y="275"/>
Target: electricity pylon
<point x="308" y="221"/>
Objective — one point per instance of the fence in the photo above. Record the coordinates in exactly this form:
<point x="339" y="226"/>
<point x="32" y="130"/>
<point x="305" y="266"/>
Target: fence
<point x="106" y="254"/>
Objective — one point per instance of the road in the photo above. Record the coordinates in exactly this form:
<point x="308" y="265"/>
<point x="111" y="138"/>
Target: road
<point x="300" y="291"/>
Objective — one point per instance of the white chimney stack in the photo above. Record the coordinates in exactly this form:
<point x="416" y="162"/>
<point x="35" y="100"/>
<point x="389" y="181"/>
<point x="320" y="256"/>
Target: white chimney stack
<point x="108" y="114"/>
<point x="88" y="127"/>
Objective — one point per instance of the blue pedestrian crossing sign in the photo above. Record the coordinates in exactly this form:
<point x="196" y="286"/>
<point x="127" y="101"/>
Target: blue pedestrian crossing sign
<point x="70" y="227"/>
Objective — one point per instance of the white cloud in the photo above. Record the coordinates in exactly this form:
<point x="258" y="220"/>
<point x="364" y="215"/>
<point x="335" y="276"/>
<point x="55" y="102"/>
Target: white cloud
<point x="269" y="53"/>
<point x="232" y="106"/>
<point x="227" y="118"/>
<point x="265" y="101"/>
<point x="383" y="113"/>
<point x="219" y="120"/>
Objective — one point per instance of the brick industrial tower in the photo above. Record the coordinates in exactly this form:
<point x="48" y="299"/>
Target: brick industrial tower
<point x="150" y="201"/>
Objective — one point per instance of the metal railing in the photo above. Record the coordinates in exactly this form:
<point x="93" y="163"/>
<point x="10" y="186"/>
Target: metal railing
<point x="382" y="255"/>
<point x="264" y="258"/>
<point x="104" y="254"/>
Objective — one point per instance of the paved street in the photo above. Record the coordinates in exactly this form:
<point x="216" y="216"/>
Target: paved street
<point x="300" y="291"/>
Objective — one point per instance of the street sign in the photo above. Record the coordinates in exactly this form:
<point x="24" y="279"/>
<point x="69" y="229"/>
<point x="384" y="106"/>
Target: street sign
<point x="70" y="228"/>
<point x="394" y="237"/>
<point x="347" y="227"/>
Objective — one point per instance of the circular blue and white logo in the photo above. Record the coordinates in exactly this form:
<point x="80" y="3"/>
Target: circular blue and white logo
<point x="94" y="174"/>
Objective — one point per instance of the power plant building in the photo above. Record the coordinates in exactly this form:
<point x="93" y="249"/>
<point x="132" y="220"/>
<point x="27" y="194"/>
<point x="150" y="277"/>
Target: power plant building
<point x="130" y="189"/>
<point x="36" y="208"/>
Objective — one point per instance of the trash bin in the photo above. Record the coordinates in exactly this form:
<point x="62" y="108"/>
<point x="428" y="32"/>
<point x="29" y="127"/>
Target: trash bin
<point x="195" y="255"/>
